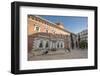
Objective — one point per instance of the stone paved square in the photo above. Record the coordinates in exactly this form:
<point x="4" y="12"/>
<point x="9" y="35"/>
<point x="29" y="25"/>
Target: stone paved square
<point x="61" y="54"/>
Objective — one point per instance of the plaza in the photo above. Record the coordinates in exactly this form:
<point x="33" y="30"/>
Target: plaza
<point x="61" y="54"/>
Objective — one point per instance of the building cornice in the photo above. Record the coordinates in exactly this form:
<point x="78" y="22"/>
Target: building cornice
<point x="48" y="22"/>
<point x="48" y="35"/>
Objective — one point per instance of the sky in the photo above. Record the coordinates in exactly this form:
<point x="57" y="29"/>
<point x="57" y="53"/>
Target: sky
<point x="73" y="24"/>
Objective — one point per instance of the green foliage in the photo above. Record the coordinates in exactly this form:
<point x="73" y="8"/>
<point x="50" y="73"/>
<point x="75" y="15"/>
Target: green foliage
<point x="83" y="44"/>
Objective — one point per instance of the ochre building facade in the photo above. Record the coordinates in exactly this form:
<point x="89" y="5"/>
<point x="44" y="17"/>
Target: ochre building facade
<point x="43" y="34"/>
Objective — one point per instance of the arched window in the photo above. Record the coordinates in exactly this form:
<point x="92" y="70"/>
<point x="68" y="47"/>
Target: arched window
<point x="47" y="44"/>
<point x="61" y="45"/>
<point x="58" y="45"/>
<point x="41" y="44"/>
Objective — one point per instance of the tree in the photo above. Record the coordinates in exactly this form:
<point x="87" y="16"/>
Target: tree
<point x="79" y="41"/>
<point x="72" y="41"/>
<point x="83" y="44"/>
